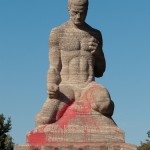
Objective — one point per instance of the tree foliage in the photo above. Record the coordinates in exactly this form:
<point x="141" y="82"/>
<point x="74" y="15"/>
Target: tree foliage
<point x="5" y="139"/>
<point x="145" y="145"/>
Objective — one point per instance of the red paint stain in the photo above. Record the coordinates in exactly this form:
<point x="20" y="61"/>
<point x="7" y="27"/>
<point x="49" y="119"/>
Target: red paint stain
<point x="37" y="136"/>
<point x="63" y="109"/>
<point x="67" y="113"/>
<point x="84" y="105"/>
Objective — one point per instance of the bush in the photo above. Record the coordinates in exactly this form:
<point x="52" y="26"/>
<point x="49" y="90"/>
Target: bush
<point x="145" y="145"/>
<point x="6" y="142"/>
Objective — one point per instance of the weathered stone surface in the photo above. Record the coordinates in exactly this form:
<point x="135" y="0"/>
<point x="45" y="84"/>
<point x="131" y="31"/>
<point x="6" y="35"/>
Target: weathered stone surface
<point x="79" y="123"/>
<point x="76" y="58"/>
<point x="90" y="132"/>
<point x="77" y="114"/>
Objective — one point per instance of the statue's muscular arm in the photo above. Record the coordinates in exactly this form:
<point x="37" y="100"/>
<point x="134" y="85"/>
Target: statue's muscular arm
<point x="53" y="76"/>
<point x="100" y="63"/>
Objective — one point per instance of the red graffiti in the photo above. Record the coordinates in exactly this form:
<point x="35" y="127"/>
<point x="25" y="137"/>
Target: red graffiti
<point x="63" y="109"/>
<point x="67" y="114"/>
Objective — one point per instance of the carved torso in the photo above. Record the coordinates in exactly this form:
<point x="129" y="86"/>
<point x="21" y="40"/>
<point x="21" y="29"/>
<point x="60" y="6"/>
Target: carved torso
<point x="77" y="61"/>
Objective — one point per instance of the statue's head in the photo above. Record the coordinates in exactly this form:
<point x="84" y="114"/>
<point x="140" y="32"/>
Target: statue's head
<point x="78" y="11"/>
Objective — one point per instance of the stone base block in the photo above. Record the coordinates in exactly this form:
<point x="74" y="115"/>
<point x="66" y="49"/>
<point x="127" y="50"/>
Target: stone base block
<point x="80" y="129"/>
<point x="79" y="146"/>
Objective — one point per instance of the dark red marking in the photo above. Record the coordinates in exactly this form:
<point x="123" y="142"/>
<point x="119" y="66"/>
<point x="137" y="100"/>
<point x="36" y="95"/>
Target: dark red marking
<point x="66" y="115"/>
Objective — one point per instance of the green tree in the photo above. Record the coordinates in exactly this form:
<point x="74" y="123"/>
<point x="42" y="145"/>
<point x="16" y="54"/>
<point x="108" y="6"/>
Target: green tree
<point x="6" y="142"/>
<point x="145" y="145"/>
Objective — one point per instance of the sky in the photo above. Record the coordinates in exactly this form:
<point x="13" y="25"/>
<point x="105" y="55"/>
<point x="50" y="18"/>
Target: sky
<point x="24" y="31"/>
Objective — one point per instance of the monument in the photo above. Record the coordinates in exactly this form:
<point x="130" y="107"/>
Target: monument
<point x="77" y="114"/>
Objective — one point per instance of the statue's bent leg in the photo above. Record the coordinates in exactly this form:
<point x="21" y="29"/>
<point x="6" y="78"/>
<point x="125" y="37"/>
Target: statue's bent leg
<point x="66" y="97"/>
<point x="48" y="112"/>
<point x="53" y="109"/>
<point x="103" y="103"/>
<point x="99" y="98"/>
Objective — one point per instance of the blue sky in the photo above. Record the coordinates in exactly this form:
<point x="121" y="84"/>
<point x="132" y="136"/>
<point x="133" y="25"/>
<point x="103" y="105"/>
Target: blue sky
<point x="24" y="30"/>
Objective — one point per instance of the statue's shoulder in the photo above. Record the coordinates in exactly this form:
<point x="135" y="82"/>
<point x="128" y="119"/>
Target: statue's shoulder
<point x="61" y="28"/>
<point x="57" y="32"/>
<point x="93" y="30"/>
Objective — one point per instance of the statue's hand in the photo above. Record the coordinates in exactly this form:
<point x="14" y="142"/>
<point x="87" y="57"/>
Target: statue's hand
<point x="52" y="90"/>
<point x="93" y="45"/>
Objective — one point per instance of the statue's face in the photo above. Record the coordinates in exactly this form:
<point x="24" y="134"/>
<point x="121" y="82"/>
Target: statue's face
<point x="78" y="13"/>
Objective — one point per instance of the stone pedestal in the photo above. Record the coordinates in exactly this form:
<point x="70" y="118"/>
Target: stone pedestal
<point x="86" y="130"/>
<point x="80" y="146"/>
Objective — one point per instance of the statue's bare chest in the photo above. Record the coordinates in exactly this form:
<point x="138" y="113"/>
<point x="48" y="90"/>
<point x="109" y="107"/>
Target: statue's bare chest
<point x="71" y="40"/>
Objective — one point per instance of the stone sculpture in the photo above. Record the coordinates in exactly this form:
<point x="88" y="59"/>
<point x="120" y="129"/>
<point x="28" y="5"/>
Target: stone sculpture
<point x="76" y="58"/>
<point x="77" y="114"/>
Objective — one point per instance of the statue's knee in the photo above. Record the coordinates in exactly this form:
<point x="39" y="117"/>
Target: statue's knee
<point x="104" y="94"/>
<point x="66" y="93"/>
<point x="105" y="107"/>
<point x="102" y="102"/>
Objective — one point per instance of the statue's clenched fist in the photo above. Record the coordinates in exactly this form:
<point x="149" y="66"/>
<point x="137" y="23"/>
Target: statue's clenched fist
<point x="52" y="90"/>
<point x="90" y="45"/>
<point x="93" y="45"/>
